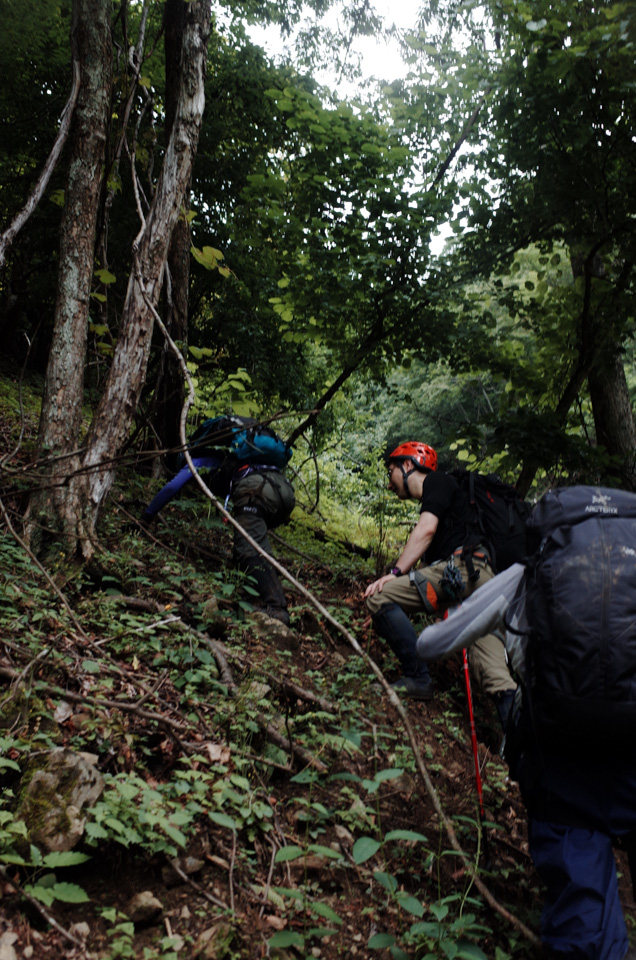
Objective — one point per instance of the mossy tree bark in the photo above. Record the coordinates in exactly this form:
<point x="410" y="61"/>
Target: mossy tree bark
<point x="116" y="409"/>
<point x="61" y="413"/>
<point x="84" y="477"/>
<point x="170" y="388"/>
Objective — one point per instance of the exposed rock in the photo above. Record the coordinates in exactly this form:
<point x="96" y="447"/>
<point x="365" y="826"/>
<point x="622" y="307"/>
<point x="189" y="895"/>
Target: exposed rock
<point x="7" y="950"/>
<point x="57" y="797"/>
<point x="263" y="626"/>
<point x="258" y="690"/>
<point x="212" y="615"/>
<point x="81" y="930"/>
<point x="215" y="943"/>
<point x="344" y="836"/>
<point x="144" y="907"/>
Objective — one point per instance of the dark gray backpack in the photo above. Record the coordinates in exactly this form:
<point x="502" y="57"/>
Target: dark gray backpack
<point x="581" y="611"/>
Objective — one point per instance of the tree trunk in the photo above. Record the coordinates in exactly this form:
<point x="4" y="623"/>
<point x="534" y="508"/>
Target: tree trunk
<point x="170" y="389"/>
<point x="614" y="417"/>
<point x="61" y="415"/>
<point x="118" y="404"/>
<point x="600" y="364"/>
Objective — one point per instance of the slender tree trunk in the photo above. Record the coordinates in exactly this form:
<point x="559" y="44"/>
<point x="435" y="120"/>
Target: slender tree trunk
<point x="11" y="232"/>
<point x="170" y="389"/>
<point x="613" y="416"/>
<point x="61" y="415"/>
<point x="117" y="407"/>
<point x="599" y="362"/>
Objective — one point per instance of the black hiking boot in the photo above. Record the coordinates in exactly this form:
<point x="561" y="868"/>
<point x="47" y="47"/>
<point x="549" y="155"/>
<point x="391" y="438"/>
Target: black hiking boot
<point x="277" y="613"/>
<point x="270" y="589"/>
<point x="393" y="625"/>
<point x="415" y="688"/>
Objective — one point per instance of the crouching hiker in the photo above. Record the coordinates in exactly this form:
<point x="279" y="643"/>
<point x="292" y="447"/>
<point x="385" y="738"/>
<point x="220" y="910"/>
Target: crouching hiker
<point x="243" y="462"/>
<point x="454" y="566"/>
<point x="570" y="621"/>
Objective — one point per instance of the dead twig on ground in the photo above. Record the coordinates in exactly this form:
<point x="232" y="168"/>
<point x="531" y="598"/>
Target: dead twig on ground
<point x="279" y="740"/>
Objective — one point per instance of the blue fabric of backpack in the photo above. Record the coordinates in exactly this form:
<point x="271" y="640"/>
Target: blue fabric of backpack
<point x="242" y="438"/>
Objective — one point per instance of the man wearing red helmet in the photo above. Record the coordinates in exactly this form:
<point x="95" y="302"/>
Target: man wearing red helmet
<point x="451" y="571"/>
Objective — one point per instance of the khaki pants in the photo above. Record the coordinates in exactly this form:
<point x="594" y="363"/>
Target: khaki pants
<point x="422" y="592"/>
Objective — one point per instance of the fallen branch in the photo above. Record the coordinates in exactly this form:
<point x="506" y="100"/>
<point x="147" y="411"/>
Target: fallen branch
<point x="216" y="647"/>
<point x="293" y="749"/>
<point x="197" y="887"/>
<point x="220" y="656"/>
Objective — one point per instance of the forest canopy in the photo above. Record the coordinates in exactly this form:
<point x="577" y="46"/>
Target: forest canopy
<point x="280" y="227"/>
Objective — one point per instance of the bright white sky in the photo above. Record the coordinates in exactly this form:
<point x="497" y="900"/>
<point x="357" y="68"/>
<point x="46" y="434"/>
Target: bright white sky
<point x="380" y="60"/>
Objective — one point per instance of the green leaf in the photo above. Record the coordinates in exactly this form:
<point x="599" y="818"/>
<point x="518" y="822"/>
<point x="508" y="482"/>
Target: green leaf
<point x="90" y="666"/>
<point x="323" y="851"/>
<point x="291" y="852"/>
<point x="69" y="893"/>
<point x="11" y="764"/>
<point x="324" y="910"/>
<point x="286" y="938"/>
<point x="43" y="894"/>
<point x="222" y="819"/>
<point x="469" y="951"/>
<point x="36" y="856"/>
<point x="364" y="849"/>
<point x="398" y="953"/>
<point x="426" y="929"/>
<point x="386" y="880"/>
<point x="439" y="910"/>
<point x="405" y="835"/>
<point x="320" y="932"/>
<point x="371" y="785"/>
<point x="96" y="831"/>
<point x="380" y="941"/>
<point x="410" y="904"/>
<point x="390" y="774"/>
<point x="64" y="858"/>
<point x="105" y="277"/>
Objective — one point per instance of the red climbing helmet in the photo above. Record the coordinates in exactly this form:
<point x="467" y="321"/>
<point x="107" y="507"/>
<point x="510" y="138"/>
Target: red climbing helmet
<point x="421" y="454"/>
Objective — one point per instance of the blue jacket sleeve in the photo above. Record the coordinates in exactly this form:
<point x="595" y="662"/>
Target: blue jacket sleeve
<point x="173" y="487"/>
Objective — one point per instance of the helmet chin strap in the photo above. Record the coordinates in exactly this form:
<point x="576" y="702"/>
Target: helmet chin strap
<point x="405" y="477"/>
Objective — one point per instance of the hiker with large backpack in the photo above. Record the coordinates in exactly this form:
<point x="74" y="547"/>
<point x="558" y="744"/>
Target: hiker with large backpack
<point x="243" y="461"/>
<point x="457" y="559"/>
<point x="569" y="616"/>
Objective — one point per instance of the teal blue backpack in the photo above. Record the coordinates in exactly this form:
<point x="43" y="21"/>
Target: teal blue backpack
<point x="241" y="437"/>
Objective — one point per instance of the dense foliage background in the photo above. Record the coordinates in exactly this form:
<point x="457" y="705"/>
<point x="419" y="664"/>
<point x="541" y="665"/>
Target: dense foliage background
<point x="275" y="250"/>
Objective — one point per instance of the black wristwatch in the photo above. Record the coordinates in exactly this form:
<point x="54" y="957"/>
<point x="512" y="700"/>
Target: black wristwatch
<point x="395" y="571"/>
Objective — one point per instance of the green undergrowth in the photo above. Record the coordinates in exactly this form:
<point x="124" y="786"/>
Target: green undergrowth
<point x="302" y="802"/>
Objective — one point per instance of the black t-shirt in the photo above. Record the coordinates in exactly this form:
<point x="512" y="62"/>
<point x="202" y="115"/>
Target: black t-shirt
<point x="442" y="496"/>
